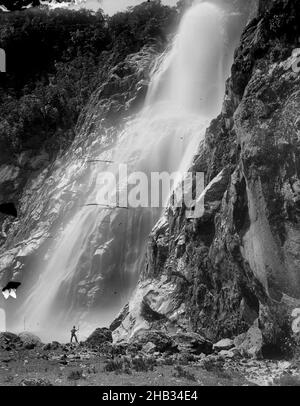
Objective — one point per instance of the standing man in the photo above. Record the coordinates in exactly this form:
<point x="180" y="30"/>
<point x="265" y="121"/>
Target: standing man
<point x="73" y="334"/>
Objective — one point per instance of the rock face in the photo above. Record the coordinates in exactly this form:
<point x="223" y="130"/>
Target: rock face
<point x="29" y="340"/>
<point x="239" y="261"/>
<point x="99" y="336"/>
<point x="251" y="343"/>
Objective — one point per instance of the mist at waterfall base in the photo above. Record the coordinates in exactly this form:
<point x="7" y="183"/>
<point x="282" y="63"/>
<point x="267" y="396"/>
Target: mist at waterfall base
<point x="92" y="267"/>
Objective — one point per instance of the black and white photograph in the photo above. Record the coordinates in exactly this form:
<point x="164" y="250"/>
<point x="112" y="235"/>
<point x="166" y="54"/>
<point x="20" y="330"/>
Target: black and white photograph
<point x="149" y="197"/>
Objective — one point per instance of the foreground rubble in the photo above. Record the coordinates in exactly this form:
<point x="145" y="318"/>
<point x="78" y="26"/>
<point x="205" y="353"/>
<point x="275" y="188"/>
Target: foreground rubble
<point x="150" y="358"/>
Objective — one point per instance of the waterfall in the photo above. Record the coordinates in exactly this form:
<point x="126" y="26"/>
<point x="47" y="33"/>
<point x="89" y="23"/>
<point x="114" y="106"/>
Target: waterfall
<point x="94" y="263"/>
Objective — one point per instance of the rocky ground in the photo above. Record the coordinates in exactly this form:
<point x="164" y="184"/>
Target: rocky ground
<point x="151" y="358"/>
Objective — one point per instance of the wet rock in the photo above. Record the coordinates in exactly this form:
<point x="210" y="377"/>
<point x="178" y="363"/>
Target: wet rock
<point x="248" y="314"/>
<point x="212" y="196"/>
<point x="118" y="321"/>
<point x="225" y="344"/>
<point x="29" y="340"/>
<point x="99" y="337"/>
<point x="39" y="161"/>
<point x="8" y="173"/>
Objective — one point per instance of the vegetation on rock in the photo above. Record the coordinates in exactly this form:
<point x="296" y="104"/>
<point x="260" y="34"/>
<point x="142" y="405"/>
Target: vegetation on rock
<point x="56" y="59"/>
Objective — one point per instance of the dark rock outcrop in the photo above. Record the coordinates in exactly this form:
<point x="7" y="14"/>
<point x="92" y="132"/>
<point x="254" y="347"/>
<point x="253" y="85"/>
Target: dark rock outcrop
<point x="99" y="336"/>
<point x="9" y="341"/>
<point x="162" y="341"/>
<point x="192" y="343"/>
<point x="29" y="340"/>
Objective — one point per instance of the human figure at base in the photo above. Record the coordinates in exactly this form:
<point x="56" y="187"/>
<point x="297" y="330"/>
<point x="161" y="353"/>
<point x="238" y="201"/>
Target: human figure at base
<point x="73" y="334"/>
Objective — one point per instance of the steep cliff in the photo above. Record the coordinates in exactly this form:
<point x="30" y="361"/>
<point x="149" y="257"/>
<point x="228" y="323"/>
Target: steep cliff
<point x="238" y="264"/>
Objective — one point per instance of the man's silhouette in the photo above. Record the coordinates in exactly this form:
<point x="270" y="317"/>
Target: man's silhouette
<point x="73" y="334"/>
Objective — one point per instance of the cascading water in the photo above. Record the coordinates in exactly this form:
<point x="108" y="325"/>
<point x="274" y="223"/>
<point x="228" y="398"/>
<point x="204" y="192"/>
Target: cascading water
<point x="94" y="263"/>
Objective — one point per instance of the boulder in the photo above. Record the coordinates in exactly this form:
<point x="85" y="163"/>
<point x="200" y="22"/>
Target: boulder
<point x="149" y="348"/>
<point x="238" y="340"/>
<point x="8" y="337"/>
<point x="55" y="345"/>
<point x="225" y="344"/>
<point x="99" y="337"/>
<point x="232" y="354"/>
<point x="162" y="341"/>
<point x="29" y="340"/>
<point x="9" y="340"/>
<point x="212" y="361"/>
<point x="192" y="343"/>
<point x="252" y="344"/>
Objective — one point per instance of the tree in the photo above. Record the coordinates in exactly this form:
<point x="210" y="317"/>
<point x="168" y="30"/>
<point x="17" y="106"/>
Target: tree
<point x="56" y="59"/>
